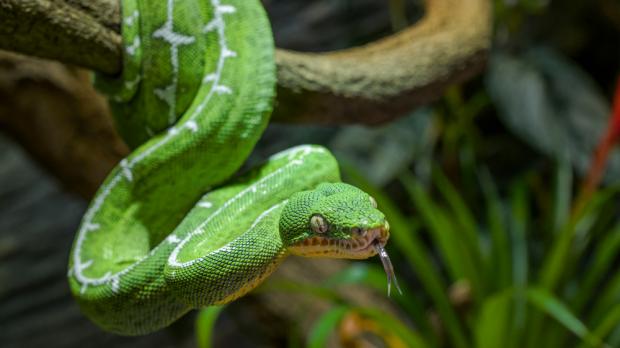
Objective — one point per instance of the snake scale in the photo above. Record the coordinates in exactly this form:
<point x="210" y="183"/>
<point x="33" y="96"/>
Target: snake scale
<point x="173" y="227"/>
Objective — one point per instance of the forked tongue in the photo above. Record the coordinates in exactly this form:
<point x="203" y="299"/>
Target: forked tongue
<point x="387" y="266"/>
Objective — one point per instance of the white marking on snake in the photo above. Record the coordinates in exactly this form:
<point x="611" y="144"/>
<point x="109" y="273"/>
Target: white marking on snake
<point x="302" y="151"/>
<point x="192" y="125"/>
<point x="209" y="78"/>
<point x="221" y="89"/>
<point x="131" y="50"/>
<point x="106" y="188"/>
<point x="173" y="239"/>
<point x="229" y="54"/>
<point x="167" y="33"/>
<point x="205" y="204"/>
<point x="115" y="284"/>
<point x="225" y="9"/>
<point x="211" y="26"/>
<point x="132" y="19"/>
<point x="126" y="170"/>
<point x="92" y="227"/>
<point x="132" y="84"/>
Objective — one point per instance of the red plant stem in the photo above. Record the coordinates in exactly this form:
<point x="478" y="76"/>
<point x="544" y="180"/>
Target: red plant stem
<point x="601" y="154"/>
<point x="599" y="163"/>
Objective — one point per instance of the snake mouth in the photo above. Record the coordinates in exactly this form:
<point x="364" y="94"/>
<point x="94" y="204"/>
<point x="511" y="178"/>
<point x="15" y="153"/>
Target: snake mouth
<point x="361" y="245"/>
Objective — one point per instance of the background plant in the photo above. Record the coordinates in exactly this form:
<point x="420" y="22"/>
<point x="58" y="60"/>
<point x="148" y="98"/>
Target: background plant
<point x="500" y="236"/>
<point x="497" y="241"/>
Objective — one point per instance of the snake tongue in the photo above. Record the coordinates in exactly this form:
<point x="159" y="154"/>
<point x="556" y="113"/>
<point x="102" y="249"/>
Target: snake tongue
<point x="387" y="266"/>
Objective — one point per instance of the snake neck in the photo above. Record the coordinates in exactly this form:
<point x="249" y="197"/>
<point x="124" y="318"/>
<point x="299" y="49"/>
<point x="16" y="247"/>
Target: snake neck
<point x="229" y="257"/>
<point x="258" y="254"/>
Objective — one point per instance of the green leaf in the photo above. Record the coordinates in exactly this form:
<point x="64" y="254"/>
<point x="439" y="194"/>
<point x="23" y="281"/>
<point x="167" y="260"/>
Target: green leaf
<point x="492" y="324"/>
<point x="498" y="266"/>
<point x="324" y="326"/>
<point x="604" y="255"/>
<point x="549" y="304"/>
<point x="302" y="288"/>
<point x="405" y="239"/>
<point x="410" y="337"/>
<point x="466" y="225"/>
<point x="607" y="297"/>
<point x="609" y="322"/>
<point x="560" y="255"/>
<point x="451" y="244"/>
<point x="562" y="195"/>
<point x="551" y="104"/>
<point x="374" y="276"/>
<point x="518" y="225"/>
<point x="205" y="325"/>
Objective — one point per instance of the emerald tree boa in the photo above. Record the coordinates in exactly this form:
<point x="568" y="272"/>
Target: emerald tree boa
<point x="172" y="227"/>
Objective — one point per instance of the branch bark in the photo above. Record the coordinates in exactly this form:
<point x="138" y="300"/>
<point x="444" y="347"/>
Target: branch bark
<point x="56" y="29"/>
<point x="370" y="84"/>
<point x="55" y="113"/>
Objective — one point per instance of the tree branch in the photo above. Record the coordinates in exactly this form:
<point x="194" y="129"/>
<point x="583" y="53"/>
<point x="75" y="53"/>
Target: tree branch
<point x="54" y="29"/>
<point x="58" y="117"/>
<point x="369" y="84"/>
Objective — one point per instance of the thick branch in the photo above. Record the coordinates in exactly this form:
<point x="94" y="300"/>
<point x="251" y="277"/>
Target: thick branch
<point x="58" y="117"/>
<point x="369" y="84"/>
<point x="55" y="29"/>
<point x="389" y="77"/>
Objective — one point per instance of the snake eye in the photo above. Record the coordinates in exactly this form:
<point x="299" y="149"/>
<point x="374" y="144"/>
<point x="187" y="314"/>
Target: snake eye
<point x="373" y="202"/>
<point x="318" y="224"/>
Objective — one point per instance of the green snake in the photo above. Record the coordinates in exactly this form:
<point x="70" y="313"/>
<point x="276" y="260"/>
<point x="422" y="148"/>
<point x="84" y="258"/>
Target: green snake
<point x="173" y="227"/>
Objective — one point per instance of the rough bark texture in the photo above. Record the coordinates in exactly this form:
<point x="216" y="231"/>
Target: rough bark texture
<point x="389" y="77"/>
<point x="55" y="113"/>
<point x="60" y="30"/>
<point x="370" y="84"/>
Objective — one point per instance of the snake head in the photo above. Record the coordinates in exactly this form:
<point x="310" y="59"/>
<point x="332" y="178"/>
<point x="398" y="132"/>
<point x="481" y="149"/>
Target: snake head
<point x="334" y="220"/>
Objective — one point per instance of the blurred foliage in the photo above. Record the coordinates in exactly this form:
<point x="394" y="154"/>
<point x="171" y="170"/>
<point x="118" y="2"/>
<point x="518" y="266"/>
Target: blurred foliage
<point x="550" y="103"/>
<point x="480" y="190"/>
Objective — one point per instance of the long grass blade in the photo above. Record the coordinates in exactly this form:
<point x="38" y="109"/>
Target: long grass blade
<point x="604" y="255"/>
<point x="325" y="326"/>
<point x="391" y="324"/>
<point x="498" y="267"/>
<point x="205" y="325"/>
<point x="374" y="277"/>
<point x="403" y="238"/>
<point x="492" y="324"/>
<point x="562" y="192"/>
<point x="465" y="221"/>
<point x="518" y="225"/>
<point x="556" y="309"/>
<point x="607" y="325"/>
<point x="450" y="242"/>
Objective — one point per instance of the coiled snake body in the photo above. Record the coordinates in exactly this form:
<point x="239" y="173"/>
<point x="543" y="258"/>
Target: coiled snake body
<point x="169" y="230"/>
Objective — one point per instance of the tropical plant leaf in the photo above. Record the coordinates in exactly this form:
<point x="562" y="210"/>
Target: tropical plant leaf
<point x="552" y="104"/>
<point x="387" y="149"/>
